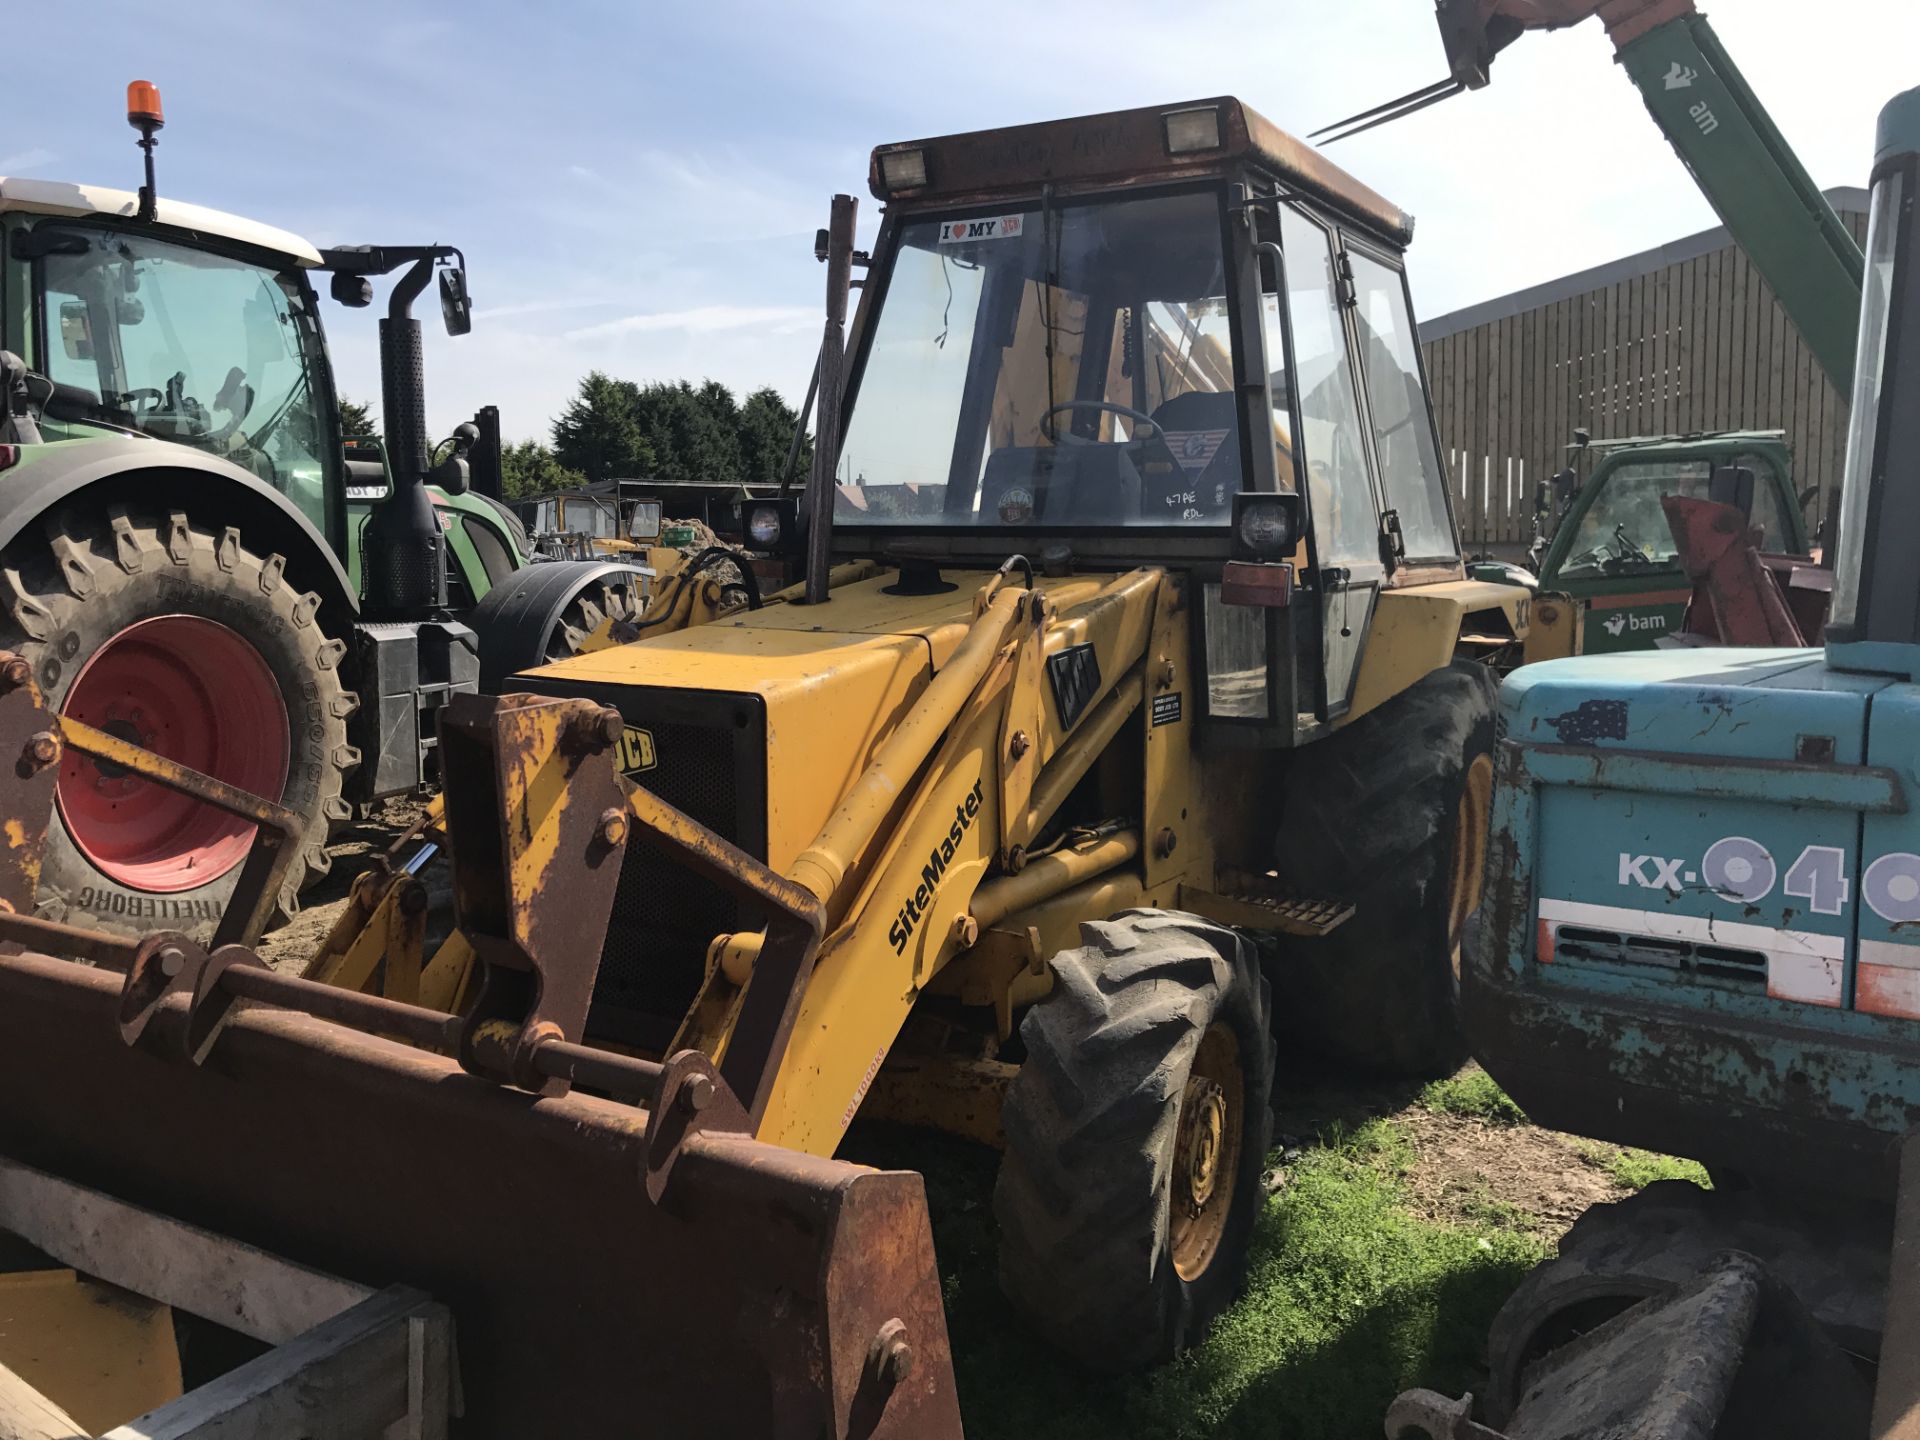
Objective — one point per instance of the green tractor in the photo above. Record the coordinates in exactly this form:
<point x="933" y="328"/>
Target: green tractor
<point x="1609" y="570"/>
<point x="192" y="559"/>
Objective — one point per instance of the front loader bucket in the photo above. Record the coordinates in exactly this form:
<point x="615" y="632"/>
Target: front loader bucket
<point x="766" y="1293"/>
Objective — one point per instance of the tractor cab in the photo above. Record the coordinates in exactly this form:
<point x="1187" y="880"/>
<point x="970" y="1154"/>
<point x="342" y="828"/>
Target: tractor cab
<point x="198" y="327"/>
<point x="1157" y="336"/>
<point x="1608" y="564"/>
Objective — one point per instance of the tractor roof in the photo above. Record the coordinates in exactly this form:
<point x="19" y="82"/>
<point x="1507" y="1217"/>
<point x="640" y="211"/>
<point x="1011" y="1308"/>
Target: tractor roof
<point x="1134" y="145"/>
<point x="62" y="197"/>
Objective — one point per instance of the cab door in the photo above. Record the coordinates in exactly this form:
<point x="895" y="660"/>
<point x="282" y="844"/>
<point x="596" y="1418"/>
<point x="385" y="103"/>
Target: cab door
<point x="1333" y="454"/>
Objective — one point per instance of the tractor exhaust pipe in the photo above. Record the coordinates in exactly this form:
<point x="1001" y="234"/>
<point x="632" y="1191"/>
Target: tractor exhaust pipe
<point x="404" y="557"/>
<point x="835" y="246"/>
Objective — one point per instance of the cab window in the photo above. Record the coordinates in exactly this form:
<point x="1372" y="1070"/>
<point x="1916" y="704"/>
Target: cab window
<point x="1410" y="472"/>
<point x="1339" y="492"/>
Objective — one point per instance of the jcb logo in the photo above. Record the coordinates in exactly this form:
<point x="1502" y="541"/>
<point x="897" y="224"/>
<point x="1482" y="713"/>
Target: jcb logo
<point x="636" y="751"/>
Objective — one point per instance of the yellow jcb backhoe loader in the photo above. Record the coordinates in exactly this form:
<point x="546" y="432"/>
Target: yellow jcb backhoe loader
<point x="1135" y="621"/>
<point x="1130" y="620"/>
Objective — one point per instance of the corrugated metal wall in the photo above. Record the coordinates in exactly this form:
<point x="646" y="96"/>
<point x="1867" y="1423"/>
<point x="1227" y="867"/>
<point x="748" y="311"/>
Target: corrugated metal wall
<point x="1698" y="345"/>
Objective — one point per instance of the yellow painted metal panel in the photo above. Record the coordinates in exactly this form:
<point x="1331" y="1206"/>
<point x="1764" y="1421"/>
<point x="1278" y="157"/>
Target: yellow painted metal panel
<point x="1415" y="630"/>
<point x="102" y="1354"/>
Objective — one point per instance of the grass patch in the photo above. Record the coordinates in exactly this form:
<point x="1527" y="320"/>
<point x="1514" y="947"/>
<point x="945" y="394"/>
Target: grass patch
<point x="1472" y="1095"/>
<point x="1350" y="1300"/>
<point x="1637" y="1169"/>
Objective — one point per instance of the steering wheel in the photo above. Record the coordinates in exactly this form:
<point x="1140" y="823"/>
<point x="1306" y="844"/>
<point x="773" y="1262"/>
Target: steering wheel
<point x="130" y="398"/>
<point x="1108" y="406"/>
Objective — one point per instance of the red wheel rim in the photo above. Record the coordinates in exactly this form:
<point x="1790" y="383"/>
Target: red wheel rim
<point x="191" y="690"/>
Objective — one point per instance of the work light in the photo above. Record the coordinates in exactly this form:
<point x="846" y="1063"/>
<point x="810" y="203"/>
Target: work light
<point x="903" y="169"/>
<point x="1192" y="130"/>
<point x="1266" y="526"/>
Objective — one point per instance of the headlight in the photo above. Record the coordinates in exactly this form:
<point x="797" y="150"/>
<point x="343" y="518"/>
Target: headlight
<point x="763" y="526"/>
<point x="1266" y="526"/>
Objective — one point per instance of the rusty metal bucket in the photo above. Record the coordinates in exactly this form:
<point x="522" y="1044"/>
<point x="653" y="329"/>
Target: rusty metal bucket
<point x="612" y="1268"/>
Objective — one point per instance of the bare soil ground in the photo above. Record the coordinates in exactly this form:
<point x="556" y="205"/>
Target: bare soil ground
<point x="354" y="850"/>
<point x="1513" y="1176"/>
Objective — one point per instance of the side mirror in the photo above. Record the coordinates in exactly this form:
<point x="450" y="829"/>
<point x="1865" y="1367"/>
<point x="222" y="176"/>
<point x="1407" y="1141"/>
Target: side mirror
<point x="452" y="474"/>
<point x="456" y="306"/>
<point x="1542" y="497"/>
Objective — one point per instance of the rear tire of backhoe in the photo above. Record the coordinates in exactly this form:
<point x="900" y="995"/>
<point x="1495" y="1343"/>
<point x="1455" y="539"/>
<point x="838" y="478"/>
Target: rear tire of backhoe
<point x="179" y="637"/>
<point x="1391" y="814"/>
<point x="1137" y="1133"/>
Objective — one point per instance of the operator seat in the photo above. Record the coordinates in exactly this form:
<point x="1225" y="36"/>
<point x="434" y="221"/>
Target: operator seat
<point x="1201" y="431"/>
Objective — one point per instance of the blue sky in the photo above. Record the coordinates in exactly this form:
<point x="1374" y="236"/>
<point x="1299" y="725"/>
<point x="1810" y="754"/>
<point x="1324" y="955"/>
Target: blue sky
<point x="636" y="186"/>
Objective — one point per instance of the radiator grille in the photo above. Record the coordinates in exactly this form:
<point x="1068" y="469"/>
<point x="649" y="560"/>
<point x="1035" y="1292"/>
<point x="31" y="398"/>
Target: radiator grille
<point x="710" y="751"/>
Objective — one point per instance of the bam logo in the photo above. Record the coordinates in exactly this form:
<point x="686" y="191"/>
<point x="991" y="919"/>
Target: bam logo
<point x="1622" y="621"/>
<point x="636" y="752"/>
<point x="914" y="908"/>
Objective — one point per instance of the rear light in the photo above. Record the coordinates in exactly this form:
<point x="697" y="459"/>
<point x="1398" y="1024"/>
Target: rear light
<point x="9" y="456"/>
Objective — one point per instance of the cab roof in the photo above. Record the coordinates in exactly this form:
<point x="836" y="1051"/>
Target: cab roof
<point x="63" y="197"/>
<point x="1123" y="145"/>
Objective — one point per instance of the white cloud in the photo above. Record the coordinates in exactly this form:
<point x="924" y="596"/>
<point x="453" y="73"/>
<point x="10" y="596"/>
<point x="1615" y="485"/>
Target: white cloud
<point x="700" y="320"/>
<point x="31" y="159"/>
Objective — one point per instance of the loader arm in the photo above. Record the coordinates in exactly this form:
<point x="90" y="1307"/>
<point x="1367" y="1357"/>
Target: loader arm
<point x="932" y="844"/>
<point x="1718" y="127"/>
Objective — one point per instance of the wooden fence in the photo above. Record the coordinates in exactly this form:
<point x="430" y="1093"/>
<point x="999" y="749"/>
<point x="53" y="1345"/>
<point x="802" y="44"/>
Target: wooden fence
<point x="1699" y="344"/>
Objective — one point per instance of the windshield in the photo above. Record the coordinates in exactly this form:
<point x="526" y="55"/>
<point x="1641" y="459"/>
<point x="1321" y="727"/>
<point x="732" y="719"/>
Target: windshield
<point x="1625" y="531"/>
<point x="1869" y="373"/>
<point x="192" y="347"/>
<point x="1050" y="369"/>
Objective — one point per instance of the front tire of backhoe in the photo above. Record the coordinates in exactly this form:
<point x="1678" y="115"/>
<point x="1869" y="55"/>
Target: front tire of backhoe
<point x="1391" y="814"/>
<point x="1137" y="1132"/>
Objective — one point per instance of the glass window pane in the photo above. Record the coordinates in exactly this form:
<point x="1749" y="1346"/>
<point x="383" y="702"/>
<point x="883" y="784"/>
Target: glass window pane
<point x="1625" y="529"/>
<point x="1054" y="371"/>
<point x="1339" y="493"/>
<point x="194" y="347"/>
<point x="1236" y="658"/>
<point x="1402" y="425"/>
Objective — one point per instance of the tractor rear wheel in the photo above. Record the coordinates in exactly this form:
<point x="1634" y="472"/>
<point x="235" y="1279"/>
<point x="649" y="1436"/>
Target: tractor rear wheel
<point x="1391" y="814"/>
<point x="180" y="638"/>
<point x="1137" y="1132"/>
<point x="546" y="611"/>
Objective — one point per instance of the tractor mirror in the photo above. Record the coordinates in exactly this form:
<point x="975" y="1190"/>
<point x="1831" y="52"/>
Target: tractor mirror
<point x="1566" y="485"/>
<point x="76" y="332"/>
<point x="456" y="307"/>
